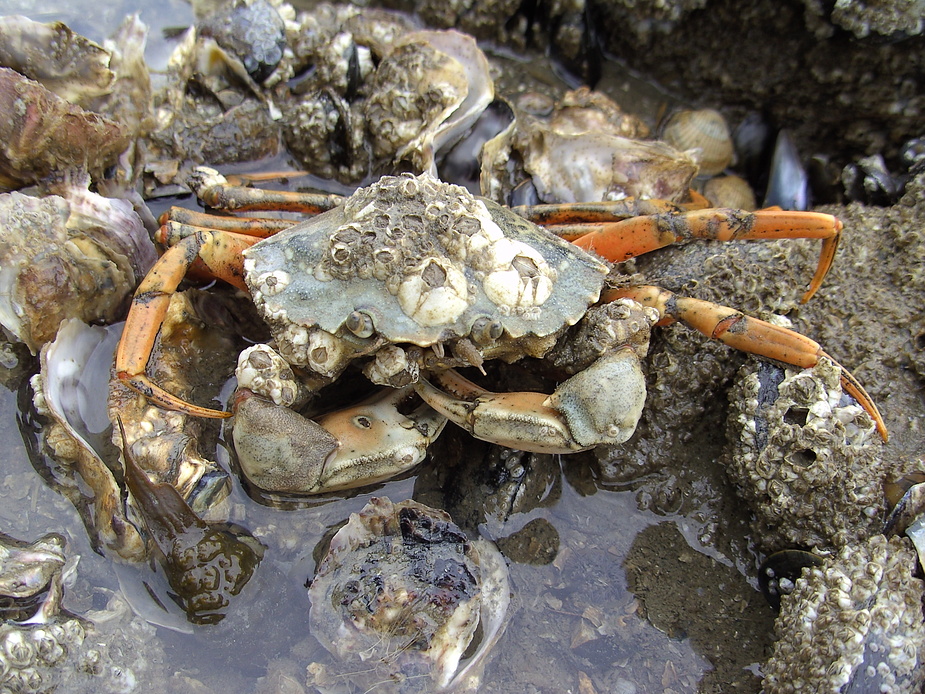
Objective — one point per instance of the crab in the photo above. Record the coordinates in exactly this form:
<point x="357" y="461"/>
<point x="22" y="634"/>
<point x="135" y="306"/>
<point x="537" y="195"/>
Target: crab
<point x="414" y="278"/>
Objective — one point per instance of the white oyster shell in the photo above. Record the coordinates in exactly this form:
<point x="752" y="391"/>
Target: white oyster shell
<point x="74" y="369"/>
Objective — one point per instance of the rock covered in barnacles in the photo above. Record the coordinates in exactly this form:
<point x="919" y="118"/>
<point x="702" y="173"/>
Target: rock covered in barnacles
<point x="852" y="624"/>
<point x="44" y="648"/>
<point x="804" y="456"/>
<point x="402" y="595"/>
<point x="36" y="636"/>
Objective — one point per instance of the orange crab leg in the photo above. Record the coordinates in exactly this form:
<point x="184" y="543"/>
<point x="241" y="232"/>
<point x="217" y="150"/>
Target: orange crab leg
<point x="180" y="222"/>
<point x="747" y="334"/>
<point x="565" y="214"/>
<point x="629" y="238"/>
<point x="215" y="191"/>
<point x="221" y="254"/>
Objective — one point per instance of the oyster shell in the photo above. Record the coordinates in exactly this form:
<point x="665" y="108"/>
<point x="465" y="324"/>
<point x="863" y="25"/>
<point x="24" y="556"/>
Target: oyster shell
<point x="400" y="596"/>
<point x="111" y="82"/>
<point x="42" y="134"/>
<point x="585" y="127"/>
<point x="426" y="93"/>
<point x="64" y="62"/>
<point x="74" y="369"/>
<point x="78" y="256"/>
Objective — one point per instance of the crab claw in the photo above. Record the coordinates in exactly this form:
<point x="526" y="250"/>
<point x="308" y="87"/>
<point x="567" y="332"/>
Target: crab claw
<point x="279" y="450"/>
<point x="601" y="404"/>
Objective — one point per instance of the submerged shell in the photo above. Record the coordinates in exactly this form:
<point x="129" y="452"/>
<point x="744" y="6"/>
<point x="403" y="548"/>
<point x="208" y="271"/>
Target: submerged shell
<point x="705" y="130"/>
<point x="401" y="595"/>
<point x="75" y="367"/>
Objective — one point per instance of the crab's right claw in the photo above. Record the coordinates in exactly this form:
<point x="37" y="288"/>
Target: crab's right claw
<point x="279" y="450"/>
<point x="598" y="405"/>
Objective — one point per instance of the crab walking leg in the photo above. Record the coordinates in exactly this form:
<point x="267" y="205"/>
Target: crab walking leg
<point x="179" y="222"/>
<point x="221" y="254"/>
<point x="215" y="191"/>
<point x="601" y="404"/>
<point x="747" y="334"/>
<point x="629" y="238"/>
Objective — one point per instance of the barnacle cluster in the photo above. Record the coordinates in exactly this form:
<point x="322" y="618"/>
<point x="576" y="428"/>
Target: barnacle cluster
<point x="855" y="619"/>
<point x="804" y="456"/>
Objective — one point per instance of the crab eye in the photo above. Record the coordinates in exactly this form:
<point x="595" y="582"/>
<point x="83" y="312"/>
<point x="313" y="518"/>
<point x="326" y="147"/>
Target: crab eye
<point x="485" y="330"/>
<point x="360" y="324"/>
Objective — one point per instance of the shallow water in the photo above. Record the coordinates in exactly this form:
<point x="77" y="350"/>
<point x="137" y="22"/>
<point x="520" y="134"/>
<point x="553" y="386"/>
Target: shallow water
<point x="578" y="626"/>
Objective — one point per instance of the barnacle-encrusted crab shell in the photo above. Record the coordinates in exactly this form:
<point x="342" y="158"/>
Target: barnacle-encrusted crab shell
<point x="414" y="260"/>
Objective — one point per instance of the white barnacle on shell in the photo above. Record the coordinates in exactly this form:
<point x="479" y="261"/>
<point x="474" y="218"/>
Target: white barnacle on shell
<point x="272" y="283"/>
<point x="435" y="292"/>
<point x="521" y="278"/>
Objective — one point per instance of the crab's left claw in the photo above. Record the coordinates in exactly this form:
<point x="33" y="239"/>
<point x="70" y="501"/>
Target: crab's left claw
<point x="279" y="450"/>
<point x="601" y="404"/>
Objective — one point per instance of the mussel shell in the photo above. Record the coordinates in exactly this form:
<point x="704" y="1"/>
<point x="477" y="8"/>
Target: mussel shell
<point x="779" y="572"/>
<point x="788" y="186"/>
<point x="253" y="31"/>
